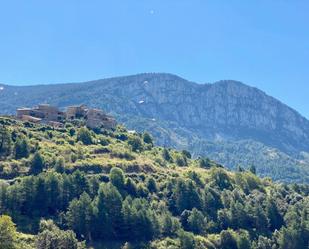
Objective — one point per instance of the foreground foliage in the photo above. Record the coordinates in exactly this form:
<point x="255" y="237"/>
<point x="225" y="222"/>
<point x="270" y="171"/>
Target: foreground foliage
<point x="75" y="188"/>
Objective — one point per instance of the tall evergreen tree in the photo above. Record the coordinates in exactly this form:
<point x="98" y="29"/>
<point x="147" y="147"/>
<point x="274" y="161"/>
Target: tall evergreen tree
<point x="36" y="163"/>
<point x="273" y="215"/>
<point x="5" y="141"/>
<point x="108" y="207"/>
<point x="21" y="148"/>
<point x="79" y="216"/>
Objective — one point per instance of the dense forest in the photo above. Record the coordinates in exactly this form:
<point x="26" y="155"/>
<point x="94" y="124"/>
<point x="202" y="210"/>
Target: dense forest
<point x="72" y="187"/>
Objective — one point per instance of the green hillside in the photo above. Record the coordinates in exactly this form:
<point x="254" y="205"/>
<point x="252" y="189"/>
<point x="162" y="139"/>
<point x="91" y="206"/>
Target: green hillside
<point x="77" y="188"/>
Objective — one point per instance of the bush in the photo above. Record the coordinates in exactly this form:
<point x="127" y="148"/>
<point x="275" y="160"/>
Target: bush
<point x="147" y="138"/>
<point x="180" y="160"/>
<point x="122" y="155"/>
<point x="7" y="233"/>
<point x="135" y="143"/>
<point x="84" y="135"/>
<point x="51" y="237"/>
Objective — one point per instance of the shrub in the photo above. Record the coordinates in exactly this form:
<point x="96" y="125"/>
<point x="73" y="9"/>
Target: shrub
<point x="147" y="138"/>
<point x="84" y="135"/>
<point x="7" y="232"/>
<point x="135" y="143"/>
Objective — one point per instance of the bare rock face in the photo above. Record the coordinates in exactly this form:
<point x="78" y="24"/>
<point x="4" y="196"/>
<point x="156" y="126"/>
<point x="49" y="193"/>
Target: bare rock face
<point x="183" y="114"/>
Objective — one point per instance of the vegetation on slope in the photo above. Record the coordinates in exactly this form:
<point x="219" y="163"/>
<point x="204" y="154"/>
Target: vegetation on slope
<point x="76" y="188"/>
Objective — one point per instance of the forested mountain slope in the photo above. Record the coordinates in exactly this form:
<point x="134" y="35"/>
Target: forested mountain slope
<point x="73" y="188"/>
<point x="225" y="121"/>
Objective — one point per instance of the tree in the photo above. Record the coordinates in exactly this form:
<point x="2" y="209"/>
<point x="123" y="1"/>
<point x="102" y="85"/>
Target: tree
<point x="36" y="163"/>
<point x="135" y="143"/>
<point x="72" y="132"/>
<point x="186" y="240"/>
<point x="186" y="154"/>
<point x="40" y="194"/>
<point x="130" y="187"/>
<point x="243" y="240"/>
<point x="108" y="205"/>
<point x="60" y="165"/>
<point x="166" y="155"/>
<point x="147" y="138"/>
<point x="7" y="232"/>
<point x="261" y="222"/>
<point x="186" y="196"/>
<point x="170" y="225"/>
<point x="79" y="215"/>
<point x="221" y="178"/>
<point x="21" y="148"/>
<point x="51" y="237"/>
<point x="196" y="221"/>
<point x="262" y="243"/>
<point x="5" y="141"/>
<point x="84" y="135"/>
<point x="227" y="240"/>
<point x="273" y="215"/>
<point x="151" y="185"/>
<point x="252" y="169"/>
<point x="205" y="163"/>
<point x="117" y="178"/>
<point x="181" y="160"/>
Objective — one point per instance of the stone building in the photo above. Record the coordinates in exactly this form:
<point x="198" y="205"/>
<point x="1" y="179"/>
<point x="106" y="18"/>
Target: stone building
<point x="97" y="118"/>
<point x="44" y="113"/>
<point x="74" y="112"/>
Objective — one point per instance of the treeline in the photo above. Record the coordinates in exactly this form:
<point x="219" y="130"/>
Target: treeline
<point x="237" y="209"/>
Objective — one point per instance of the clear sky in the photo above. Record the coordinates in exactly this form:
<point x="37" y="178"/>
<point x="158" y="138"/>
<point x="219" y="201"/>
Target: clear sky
<point x="264" y="43"/>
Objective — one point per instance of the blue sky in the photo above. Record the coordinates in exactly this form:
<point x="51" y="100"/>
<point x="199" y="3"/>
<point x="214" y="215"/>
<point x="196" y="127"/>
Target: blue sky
<point x="259" y="42"/>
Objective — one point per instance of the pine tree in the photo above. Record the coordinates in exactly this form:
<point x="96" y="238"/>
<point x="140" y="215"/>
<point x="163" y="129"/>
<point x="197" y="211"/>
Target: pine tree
<point x="273" y="214"/>
<point x="5" y="141"/>
<point x="151" y="185"/>
<point x="37" y="163"/>
<point x="166" y="155"/>
<point x="79" y="216"/>
<point x="196" y="221"/>
<point x="108" y="211"/>
<point x="21" y="148"/>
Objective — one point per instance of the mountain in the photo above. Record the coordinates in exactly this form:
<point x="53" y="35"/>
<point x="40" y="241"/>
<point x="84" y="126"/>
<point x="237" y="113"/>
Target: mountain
<point x="72" y="188"/>
<point x="227" y="121"/>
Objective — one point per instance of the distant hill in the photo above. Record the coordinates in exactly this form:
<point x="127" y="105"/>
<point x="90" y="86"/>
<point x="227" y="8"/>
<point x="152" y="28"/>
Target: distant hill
<point x="228" y="121"/>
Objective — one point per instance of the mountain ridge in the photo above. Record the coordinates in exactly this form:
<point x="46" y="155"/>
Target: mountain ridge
<point x="181" y="113"/>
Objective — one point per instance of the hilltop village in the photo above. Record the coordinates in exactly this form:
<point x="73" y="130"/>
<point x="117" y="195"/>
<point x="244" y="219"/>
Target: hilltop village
<point x="51" y="115"/>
